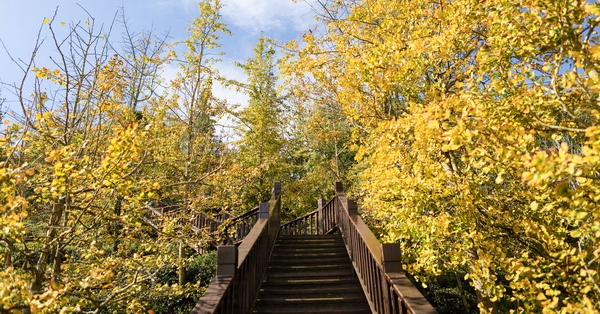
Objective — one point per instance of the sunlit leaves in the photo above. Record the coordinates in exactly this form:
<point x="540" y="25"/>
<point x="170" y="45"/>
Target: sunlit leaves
<point x="476" y="130"/>
<point x="72" y="184"/>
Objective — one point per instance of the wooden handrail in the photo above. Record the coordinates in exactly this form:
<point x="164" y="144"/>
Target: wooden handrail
<point x="320" y="221"/>
<point x="377" y="266"/>
<point x="242" y="224"/>
<point x="251" y="213"/>
<point x="240" y="269"/>
<point x="307" y="224"/>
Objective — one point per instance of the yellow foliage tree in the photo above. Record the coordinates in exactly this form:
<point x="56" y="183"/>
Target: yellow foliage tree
<point x="476" y="128"/>
<point x="74" y="182"/>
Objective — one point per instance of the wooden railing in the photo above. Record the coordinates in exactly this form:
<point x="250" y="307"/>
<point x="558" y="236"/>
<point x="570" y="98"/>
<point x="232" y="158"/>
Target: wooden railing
<point x="320" y="221"/>
<point x="241" y="225"/>
<point x="240" y="270"/>
<point x="153" y="218"/>
<point x="244" y="223"/>
<point x="378" y="266"/>
<point x="203" y="221"/>
<point x="157" y="216"/>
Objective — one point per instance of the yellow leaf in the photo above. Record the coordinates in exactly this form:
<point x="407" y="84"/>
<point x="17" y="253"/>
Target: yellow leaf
<point x="433" y="124"/>
<point x="46" y="21"/>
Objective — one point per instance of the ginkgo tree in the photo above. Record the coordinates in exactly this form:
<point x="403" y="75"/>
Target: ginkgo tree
<point x="475" y="126"/>
<point x="79" y="166"/>
<point x="77" y="147"/>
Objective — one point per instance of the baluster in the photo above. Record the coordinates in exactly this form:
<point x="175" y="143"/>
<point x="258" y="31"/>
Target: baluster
<point x="321" y="218"/>
<point x="303" y="226"/>
<point x="306" y="225"/>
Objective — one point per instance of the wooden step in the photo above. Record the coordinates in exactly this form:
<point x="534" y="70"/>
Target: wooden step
<point x="308" y="236"/>
<point x="312" y="305"/>
<point x="303" y="259"/>
<point x="310" y="274"/>
<point x="309" y="244"/>
<point x="308" y="254"/>
<point x="303" y="288"/>
<point x="309" y="250"/>
<point x="303" y="263"/>
<point x="312" y="283"/>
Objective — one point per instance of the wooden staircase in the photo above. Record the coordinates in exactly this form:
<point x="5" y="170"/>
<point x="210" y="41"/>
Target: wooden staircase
<point x="310" y="274"/>
<point x="300" y="267"/>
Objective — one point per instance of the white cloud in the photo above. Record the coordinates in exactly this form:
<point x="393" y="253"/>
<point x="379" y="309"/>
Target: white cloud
<point x="226" y="69"/>
<point x="265" y="15"/>
<point x="232" y="72"/>
<point x="186" y="5"/>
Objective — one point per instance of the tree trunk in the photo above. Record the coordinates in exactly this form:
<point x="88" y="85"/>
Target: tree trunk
<point x="488" y="305"/>
<point x="39" y="272"/>
<point x="116" y="224"/>
<point x="56" y="266"/>
<point x="462" y="293"/>
<point x="8" y="255"/>
<point x="182" y="271"/>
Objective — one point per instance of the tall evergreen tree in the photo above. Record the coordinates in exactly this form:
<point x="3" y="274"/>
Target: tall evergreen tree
<point x="261" y="125"/>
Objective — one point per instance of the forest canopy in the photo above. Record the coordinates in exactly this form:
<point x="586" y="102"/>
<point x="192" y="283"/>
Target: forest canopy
<point x="468" y="131"/>
<point x="475" y="127"/>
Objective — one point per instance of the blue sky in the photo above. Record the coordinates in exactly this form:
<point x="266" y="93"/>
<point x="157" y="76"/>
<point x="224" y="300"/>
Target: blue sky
<point x="20" y="21"/>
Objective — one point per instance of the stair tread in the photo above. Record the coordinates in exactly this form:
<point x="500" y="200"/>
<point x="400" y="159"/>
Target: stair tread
<point x="310" y="241"/>
<point x="309" y="288"/>
<point x="322" y="280"/>
<point x="311" y="310"/>
<point x="312" y="299"/>
<point x="302" y="258"/>
<point x="307" y="265"/>
<point x="310" y="274"/>
<point x="288" y="246"/>
<point x="350" y="294"/>
<point x="309" y="236"/>
<point x="305" y="249"/>
<point x="313" y="307"/>
<point x="307" y="254"/>
<point x="305" y="274"/>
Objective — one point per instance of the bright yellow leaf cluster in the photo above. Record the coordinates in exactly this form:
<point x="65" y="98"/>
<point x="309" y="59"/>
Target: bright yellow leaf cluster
<point x="476" y="126"/>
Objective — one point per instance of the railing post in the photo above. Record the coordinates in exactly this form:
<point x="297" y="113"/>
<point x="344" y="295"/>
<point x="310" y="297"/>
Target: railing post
<point x="227" y="258"/>
<point x="352" y="209"/>
<point x="276" y="189"/>
<point x="321" y="203"/>
<point x="390" y="255"/>
<point x="263" y="210"/>
<point x="339" y="187"/>
<point x="410" y="300"/>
